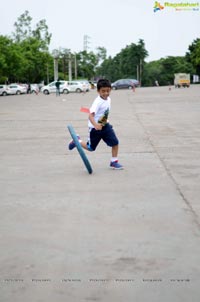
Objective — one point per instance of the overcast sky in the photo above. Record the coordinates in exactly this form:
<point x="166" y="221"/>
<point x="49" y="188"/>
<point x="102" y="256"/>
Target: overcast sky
<point x="112" y="24"/>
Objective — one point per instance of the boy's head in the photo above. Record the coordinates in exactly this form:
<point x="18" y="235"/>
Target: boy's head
<point x="103" y="83"/>
<point x="104" y="88"/>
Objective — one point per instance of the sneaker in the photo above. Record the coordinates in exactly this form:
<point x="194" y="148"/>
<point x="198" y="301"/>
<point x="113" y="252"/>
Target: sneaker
<point x="115" y="165"/>
<point x="72" y="144"/>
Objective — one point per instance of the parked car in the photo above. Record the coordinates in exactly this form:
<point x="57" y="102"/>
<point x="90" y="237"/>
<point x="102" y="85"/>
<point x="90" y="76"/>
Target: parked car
<point x="16" y="89"/>
<point x="136" y="82"/>
<point x="76" y="86"/>
<point x="32" y="88"/>
<point x="3" y="89"/>
<point x="122" y="84"/>
<point x="51" y="87"/>
<point x="35" y="88"/>
<point x="87" y="84"/>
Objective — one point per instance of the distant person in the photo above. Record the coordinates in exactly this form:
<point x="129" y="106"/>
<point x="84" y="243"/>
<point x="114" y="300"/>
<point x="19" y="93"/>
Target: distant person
<point x="29" y="88"/>
<point x="58" y="87"/>
<point x="99" y="126"/>
<point x="156" y="83"/>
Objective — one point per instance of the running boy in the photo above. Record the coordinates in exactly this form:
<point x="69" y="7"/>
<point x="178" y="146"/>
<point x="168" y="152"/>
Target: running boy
<point x="99" y="127"/>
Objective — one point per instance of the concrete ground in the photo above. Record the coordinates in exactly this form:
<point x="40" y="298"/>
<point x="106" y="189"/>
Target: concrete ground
<point x="112" y="236"/>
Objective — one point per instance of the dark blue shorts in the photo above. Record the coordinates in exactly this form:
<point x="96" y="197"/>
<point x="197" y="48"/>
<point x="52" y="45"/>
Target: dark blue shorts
<point x="107" y="134"/>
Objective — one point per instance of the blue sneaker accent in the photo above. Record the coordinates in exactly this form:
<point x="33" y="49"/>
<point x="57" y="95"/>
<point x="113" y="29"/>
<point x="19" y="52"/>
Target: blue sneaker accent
<point x="115" y="165"/>
<point x="72" y="144"/>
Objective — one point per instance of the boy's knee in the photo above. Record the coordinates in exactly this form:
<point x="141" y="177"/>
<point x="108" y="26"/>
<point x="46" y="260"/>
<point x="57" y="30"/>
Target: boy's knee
<point x="90" y="148"/>
<point x="113" y="143"/>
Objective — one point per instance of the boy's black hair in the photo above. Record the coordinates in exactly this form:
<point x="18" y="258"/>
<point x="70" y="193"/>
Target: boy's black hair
<point x="103" y="83"/>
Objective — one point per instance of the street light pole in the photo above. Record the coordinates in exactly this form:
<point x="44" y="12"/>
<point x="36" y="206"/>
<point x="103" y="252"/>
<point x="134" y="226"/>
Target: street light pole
<point x="70" y="67"/>
<point x="75" y="66"/>
<point x="140" y="72"/>
<point x="56" y="57"/>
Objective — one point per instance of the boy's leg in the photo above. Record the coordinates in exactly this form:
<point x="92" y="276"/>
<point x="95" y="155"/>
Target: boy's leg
<point x="94" y="138"/>
<point x="114" y="164"/>
<point x="84" y="145"/>
<point x="115" y="150"/>
<point x="72" y="144"/>
<point x="111" y="140"/>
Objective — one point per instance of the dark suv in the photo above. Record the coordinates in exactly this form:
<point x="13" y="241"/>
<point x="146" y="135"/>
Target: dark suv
<point x="122" y="84"/>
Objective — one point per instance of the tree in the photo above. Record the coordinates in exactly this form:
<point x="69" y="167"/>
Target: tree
<point x="30" y="57"/>
<point x="36" y="61"/>
<point x="126" y="64"/>
<point x="22" y="27"/>
<point x="152" y="72"/>
<point x="41" y="34"/>
<point x="164" y="69"/>
<point x="16" y="63"/>
<point x="12" y="61"/>
<point x="101" y="54"/>
<point x="87" y="62"/>
<point x="193" y="56"/>
<point x="5" y="42"/>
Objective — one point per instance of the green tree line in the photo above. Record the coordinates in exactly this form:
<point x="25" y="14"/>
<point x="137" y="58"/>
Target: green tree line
<point x="25" y="57"/>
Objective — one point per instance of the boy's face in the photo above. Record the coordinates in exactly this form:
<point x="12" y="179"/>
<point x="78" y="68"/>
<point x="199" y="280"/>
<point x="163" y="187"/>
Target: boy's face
<point x="104" y="92"/>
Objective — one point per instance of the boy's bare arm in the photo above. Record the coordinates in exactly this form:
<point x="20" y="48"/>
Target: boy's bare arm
<point x="97" y="126"/>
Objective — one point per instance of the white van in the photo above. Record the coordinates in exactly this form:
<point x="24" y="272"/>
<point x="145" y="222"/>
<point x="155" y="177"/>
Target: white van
<point x="76" y="86"/>
<point x="51" y="87"/>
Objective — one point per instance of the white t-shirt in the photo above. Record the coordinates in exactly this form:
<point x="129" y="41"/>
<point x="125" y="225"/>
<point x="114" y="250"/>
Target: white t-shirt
<point x="101" y="109"/>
